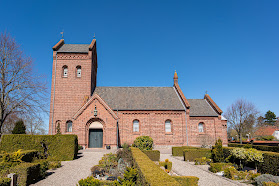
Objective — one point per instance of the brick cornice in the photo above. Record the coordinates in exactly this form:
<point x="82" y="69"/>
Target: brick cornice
<point x="95" y="96"/>
<point x="58" y="45"/>
<point x="178" y="89"/>
<point x="213" y="104"/>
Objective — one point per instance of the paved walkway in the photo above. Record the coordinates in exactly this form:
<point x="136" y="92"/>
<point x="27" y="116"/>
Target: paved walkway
<point x="72" y="171"/>
<point x="206" y="178"/>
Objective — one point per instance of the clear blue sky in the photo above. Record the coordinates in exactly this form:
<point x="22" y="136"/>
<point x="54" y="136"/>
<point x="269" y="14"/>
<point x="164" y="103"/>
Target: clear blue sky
<point x="229" y="48"/>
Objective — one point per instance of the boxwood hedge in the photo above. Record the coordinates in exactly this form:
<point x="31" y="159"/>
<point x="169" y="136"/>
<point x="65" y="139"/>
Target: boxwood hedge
<point x="154" y="155"/>
<point x="54" y="147"/>
<point x="178" y="151"/>
<point x="258" y="147"/>
<point x="192" y="154"/>
<point x="152" y="174"/>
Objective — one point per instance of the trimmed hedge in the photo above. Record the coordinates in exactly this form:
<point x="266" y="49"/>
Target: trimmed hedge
<point x="5" y="181"/>
<point x="27" y="173"/>
<point x="187" y="180"/>
<point x="154" y="155"/>
<point x="258" y="147"/>
<point x="150" y="173"/>
<point x="218" y="167"/>
<point x="192" y="154"/>
<point x="270" y="164"/>
<point x="55" y="147"/>
<point x="178" y="151"/>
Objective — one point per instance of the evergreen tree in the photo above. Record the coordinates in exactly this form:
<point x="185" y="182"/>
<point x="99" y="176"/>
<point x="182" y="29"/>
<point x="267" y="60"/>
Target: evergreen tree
<point x="270" y="118"/>
<point x="58" y="129"/>
<point x="218" y="154"/>
<point x="19" y="128"/>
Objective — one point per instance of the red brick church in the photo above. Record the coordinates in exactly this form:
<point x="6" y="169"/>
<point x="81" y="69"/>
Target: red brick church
<point x="103" y="116"/>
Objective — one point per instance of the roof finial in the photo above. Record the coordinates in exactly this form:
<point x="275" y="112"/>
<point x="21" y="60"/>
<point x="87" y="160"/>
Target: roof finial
<point x="175" y="77"/>
<point x="94" y="35"/>
<point x="62" y="34"/>
<point x="206" y="92"/>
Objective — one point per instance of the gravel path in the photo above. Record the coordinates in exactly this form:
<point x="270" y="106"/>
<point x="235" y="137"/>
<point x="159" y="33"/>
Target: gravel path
<point x="206" y="178"/>
<point x="72" y="171"/>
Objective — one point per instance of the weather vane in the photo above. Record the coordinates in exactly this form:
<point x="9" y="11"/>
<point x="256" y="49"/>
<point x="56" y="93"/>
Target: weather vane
<point x="62" y="34"/>
<point x="94" y="36"/>
<point x="206" y="92"/>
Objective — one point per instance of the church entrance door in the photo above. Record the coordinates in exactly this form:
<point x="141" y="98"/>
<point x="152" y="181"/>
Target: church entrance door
<point x="95" y="138"/>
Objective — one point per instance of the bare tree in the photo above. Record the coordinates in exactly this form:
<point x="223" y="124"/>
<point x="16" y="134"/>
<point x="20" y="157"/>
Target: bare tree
<point x="238" y="115"/>
<point x="34" y="125"/>
<point x="21" y="91"/>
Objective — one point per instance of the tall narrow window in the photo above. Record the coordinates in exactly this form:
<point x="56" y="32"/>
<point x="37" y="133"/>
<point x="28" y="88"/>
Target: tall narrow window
<point x="78" y="71"/>
<point x="69" y="126"/>
<point x="201" y="129"/>
<point x="65" y="71"/>
<point x="168" y="126"/>
<point x="136" y="126"/>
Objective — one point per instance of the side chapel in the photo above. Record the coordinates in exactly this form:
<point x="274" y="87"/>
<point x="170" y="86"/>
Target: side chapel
<point x="102" y="116"/>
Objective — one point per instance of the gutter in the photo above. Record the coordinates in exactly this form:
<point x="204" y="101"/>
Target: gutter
<point x="53" y="93"/>
<point x="185" y="114"/>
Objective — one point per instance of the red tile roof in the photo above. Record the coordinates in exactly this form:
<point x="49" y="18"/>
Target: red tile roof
<point x="266" y="131"/>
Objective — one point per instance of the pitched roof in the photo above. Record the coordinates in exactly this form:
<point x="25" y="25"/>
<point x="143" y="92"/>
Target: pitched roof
<point x="140" y="98"/>
<point x="200" y="107"/>
<point x="74" y="48"/>
<point x="266" y="131"/>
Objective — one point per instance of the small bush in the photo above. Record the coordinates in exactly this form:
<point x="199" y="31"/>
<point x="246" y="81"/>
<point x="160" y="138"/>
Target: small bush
<point x="270" y="184"/>
<point x="19" y="128"/>
<point x="186" y="180"/>
<point x="217" y="151"/>
<point x="230" y="172"/>
<point x="89" y="181"/>
<point x="108" y="161"/>
<point x="266" y="178"/>
<point x="130" y="177"/>
<point x="154" y="155"/>
<point x="202" y="161"/>
<point x="178" y="151"/>
<point x="218" y="167"/>
<point x="54" y="164"/>
<point x="143" y="143"/>
<point x="166" y="165"/>
<point x="5" y="181"/>
<point x="270" y="163"/>
<point x="192" y="154"/>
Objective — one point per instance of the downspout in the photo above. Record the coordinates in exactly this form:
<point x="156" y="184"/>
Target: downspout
<point x="53" y="92"/>
<point x="117" y="131"/>
<point x="185" y="114"/>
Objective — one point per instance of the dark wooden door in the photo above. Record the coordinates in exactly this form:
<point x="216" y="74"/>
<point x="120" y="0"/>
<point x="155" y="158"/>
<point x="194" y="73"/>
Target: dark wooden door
<point x="95" y="138"/>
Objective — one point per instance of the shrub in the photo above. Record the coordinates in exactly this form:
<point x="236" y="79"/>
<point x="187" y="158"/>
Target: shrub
<point x="230" y="172"/>
<point x="19" y="128"/>
<point x="187" y="180"/>
<point x="270" y="184"/>
<point x="154" y="155"/>
<point x="54" y="164"/>
<point x="217" y="152"/>
<point x="54" y="147"/>
<point x="166" y="165"/>
<point x="90" y="181"/>
<point x="202" y="161"/>
<point x="27" y="173"/>
<point x="192" y="154"/>
<point x="258" y="147"/>
<point x="126" y="155"/>
<point x="130" y="177"/>
<point x="266" y="138"/>
<point x="218" y="167"/>
<point x="247" y="155"/>
<point x="108" y="161"/>
<point x="143" y="143"/>
<point x="19" y="156"/>
<point x="5" y="181"/>
<point x="266" y="178"/>
<point x="270" y="163"/>
<point x="178" y="151"/>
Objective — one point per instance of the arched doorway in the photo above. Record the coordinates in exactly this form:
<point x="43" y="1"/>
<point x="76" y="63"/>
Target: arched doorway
<point x="95" y="135"/>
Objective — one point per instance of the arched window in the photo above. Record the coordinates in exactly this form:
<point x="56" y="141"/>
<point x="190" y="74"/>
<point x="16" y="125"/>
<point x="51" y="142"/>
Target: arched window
<point x="136" y="126"/>
<point x="78" y="71"/>
<point x="58" y="126"/>
<point x="168" y="126"/>
<point x="201" y="127"/>
<point x="65" y="71"/>
<point x="69" y="126"/>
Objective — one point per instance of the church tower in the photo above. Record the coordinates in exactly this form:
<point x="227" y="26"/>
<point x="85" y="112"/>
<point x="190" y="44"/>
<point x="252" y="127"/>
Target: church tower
<point x="74" y="75"/>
